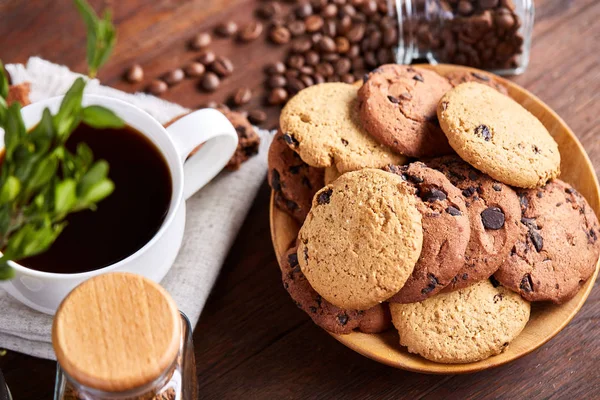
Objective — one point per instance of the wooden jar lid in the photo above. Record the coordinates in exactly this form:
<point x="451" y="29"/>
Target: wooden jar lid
<point x="116" y="332"/>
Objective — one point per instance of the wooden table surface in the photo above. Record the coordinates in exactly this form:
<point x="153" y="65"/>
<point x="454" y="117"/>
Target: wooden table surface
<point x="251" y="340"/>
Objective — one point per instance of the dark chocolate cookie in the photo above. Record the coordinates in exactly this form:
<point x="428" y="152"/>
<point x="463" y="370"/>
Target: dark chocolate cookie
<point x="558" y="246"/>
<point x="326" y="315"/>
<point x="294" y="182"/>
<point x="398" y="108"/>
<point x="446" y="232"/>
<point x="248" y="139"/>
<point x="458" y="77"/>
<point x="494" y="214"/>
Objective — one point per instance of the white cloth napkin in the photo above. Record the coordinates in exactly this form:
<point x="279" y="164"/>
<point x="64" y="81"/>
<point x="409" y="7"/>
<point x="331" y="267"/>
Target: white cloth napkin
<point x="214" y="216"/>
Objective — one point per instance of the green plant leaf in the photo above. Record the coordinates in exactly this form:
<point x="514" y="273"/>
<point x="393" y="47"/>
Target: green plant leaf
<point x="10" y="189"/>
<point x="95" y="174"/>
<point x="43" y="134"/>
<point x="97" y="192"/>
<point x="3" y="82"/>
<point x="69" y="114"/>
<point x="65" y="196"/>
<point x="14" y="129"/>
<point x="101" y="36"/>
<point x="101" y="118"/>
<point x="44" y="171"/>
<point x="85" y="155"/>
<point x="6" y="272"/>
<point x="31" y="240"/>
<point x="3" y="110"/>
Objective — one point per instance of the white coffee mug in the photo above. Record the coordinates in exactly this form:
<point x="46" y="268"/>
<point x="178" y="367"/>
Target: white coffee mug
<point x="43" y="291"/>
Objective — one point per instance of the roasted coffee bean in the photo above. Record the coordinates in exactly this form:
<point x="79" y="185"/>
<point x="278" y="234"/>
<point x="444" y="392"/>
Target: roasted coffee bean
<point x="370" y="59"/>
<point x="504" y="19"/>
<point x="318" y="4"/>
<point x="316" y="37"/>
<point x="312" y="58"/>
<point x="226" y="29"/>
<point x="291" y="73"/>
<point x="390" y="37"/>
<point x="330" y="57"/>
<point x="348" y="78"/>
<point x="194" y="69"/>
<point x="210" y="82"/>
<point x="251" y="31"/>
<point x="157" y="87"/>
<point x="384" y="56"/>
<point x="330" y="28"/>
<point x="486" y="4"/>
<point x="347" y="9"/>
<point x="358" y="64"/>
<point x="295" y="61"/>
<point x="304" y="10"/>
<point x="356" y="33"/>
<point x="342" y="44"/>
<point x="295" y="85"/>
<point x="200" y="41"/>
<point x="314" y="23"/>
<point x="275" y="68"/>
<point x="369" y="7"/>
<point x="307" y="70"/>
<point x="134" y="74"/>
<point x="344" y="25"/>
<point x="465" y="7"/>
<point x="327" y="45"/>
<point x="297" y="28"/>
<point x="242" y="96"/>
<point x="277" y="96"/>
<point x="324" y="69"/>
<point x="307" y="80"/>
<point x="354" y="51"/>
<point x="206" y="57"/>
<point x="329" y="11"/>
<point x="174" y="77"/>
<point x="301" y="45"/>
<point x="342" y="66"/>
<point x="276" y="81"/>
<point x="280" y="35"/>
<point x="492" y="218"/>
<point x="222" y="66"/>
<point x="268" y="10"/>
<point x="318" y="78"/>
<point x="257" y="116"/>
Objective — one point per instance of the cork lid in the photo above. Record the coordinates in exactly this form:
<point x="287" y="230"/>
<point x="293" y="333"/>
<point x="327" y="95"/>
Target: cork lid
<point x="116" y="332"/>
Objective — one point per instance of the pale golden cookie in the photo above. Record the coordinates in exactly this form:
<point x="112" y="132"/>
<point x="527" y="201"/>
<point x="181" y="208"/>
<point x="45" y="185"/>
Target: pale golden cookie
<point x="496" y="135"/>
<point x="467" y="325"/>
<point x="362" y="238"/>
<point x="321" y="124"/>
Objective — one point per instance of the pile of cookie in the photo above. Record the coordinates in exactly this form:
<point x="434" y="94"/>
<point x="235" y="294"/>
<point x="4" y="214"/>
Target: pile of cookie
<point x="428" y="202"/>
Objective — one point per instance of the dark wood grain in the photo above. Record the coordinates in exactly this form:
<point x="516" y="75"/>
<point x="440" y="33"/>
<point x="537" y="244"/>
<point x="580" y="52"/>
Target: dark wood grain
<point x="251" y="341"/>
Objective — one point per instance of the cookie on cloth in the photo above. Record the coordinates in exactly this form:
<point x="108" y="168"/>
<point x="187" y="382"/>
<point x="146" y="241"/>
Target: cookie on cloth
<point x="361" y="239"/>
<point x="446" y="232"/>
<point x="457" y="77"/>
<point x="324" y="314"/>
<point x="558" y="248"/>
<point x="321" y="124"/>
<point x="398" y="106"/>
<point x="248" y="139"/>
<point x="294" y="182"/>
<point x="467" y="325"/>
<point x="494" y="214"/>
<point x="496" y="135"/>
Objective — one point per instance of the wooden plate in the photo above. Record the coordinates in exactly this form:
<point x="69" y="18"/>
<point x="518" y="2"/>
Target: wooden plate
<point x="546" y="319"/>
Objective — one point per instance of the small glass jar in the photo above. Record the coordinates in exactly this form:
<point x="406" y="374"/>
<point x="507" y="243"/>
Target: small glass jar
<point x="494" y="35"/>
<point x="97" y="334"/>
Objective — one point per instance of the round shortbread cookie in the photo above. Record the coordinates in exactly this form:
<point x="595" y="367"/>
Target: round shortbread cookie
<point x="321" y="124"/>
<point x="467" y="325"/>
<point x="361" y="239"/>
<point x="496" y="135"/>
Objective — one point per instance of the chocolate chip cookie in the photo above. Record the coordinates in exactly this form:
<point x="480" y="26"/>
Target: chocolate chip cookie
<point x="361" y="239"/>
<point x="494" y="214"/>
<point x="446" y="232"/>
<point x="321" y="124"/>
<point x="248" y="139"/>
<point x="398" y="106"/>
<point x="458" y="77"/>
<point x="558" y="246"/>
<point x="294" y="182"/>
<point x="467" y="325"/>
<point x="496" y="135"/>
<point x="323" y="313"/>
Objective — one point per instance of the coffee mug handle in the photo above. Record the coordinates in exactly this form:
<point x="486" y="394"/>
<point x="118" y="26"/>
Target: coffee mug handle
<point x="218" y="138"/>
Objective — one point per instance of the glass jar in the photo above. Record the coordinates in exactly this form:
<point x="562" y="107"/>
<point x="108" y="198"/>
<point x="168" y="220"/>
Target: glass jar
<point x="119" y="336"/>
<point x="494" y="35"/>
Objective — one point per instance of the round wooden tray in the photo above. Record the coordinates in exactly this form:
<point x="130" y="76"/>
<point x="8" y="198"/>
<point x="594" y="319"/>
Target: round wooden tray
<point x="546" y="319"/>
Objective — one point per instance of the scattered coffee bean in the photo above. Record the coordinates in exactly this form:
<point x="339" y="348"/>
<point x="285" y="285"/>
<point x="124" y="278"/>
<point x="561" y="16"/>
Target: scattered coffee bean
<point x="280" y="35"/>
<point x="222" y="66"/>
<point x="226" y="29"/>
<point x="194" y="69"/>
<point x="242" y="96"/>
<point x="174" y="77"/>
<point x="200" y="41"/>
<point x="206" y="57"/>
<point x="276" y="81"/>
<point x="312" y="58"/>
<point x="275" y="68"/>
<point x="304" y="10"/>
<point x="157" y="87"/>
<point x="492" y="218"/>
<point x="314" y="23"/>
<point x="268" y="10"/>
<point x="210" y="82"/>
<point x="327" y="44"/>
<point x="301" y="45"/>
<point x="251" y="31"/>
<point x="295" y="61"/>
<point x="329" y="11"/>
<point x="277" y="96"/>
<point x="134" y="74"/>
<point x="257" y="116"/>
<point x="297" y="28"/>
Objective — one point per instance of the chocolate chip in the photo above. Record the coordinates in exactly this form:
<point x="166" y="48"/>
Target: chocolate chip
<point x="324" y="197"/>
<point x="468" y="192"/>
<point x="393" y="99"/>
<point x="344" y="142"/>
<point x="536" y="239"/>
<point x="473" y="175"/>
<point x="492" y="218"/>
<point x="498" y="297"/>
<point x="433" y="283"/>
<point x="306" y="182"/>
<point x="444" y="105"/>
<point x="313" y="309"/>
<point x="592" y="236"/>
<point x="529" y="222"/>
<point x="414" y="178"/>
<point x="494" y="281"/>
<point x="305" y="253"/>
<point x="464" y="276"/>
<point x="569" y="190"/>
<point x="290" y="140"/>
<point x="292" y="206"/>
<point x="433" y="195"/>
<point x="295" y="169"/>
<point x="484" y="132"/>
<point x="293" y="260"/>
<point x="241" y="130"/>
<point x="526" y="284"/>
<point x="419" y="78"/>
<point x="523" y="201"/>
<point x="453" y="211"/>
<point x="342" y="319"/>
<point x="497" y="187"/>
<point x="276" y="180"/>
<point x="536" y="149"/>
<point x="539" y="194"/>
